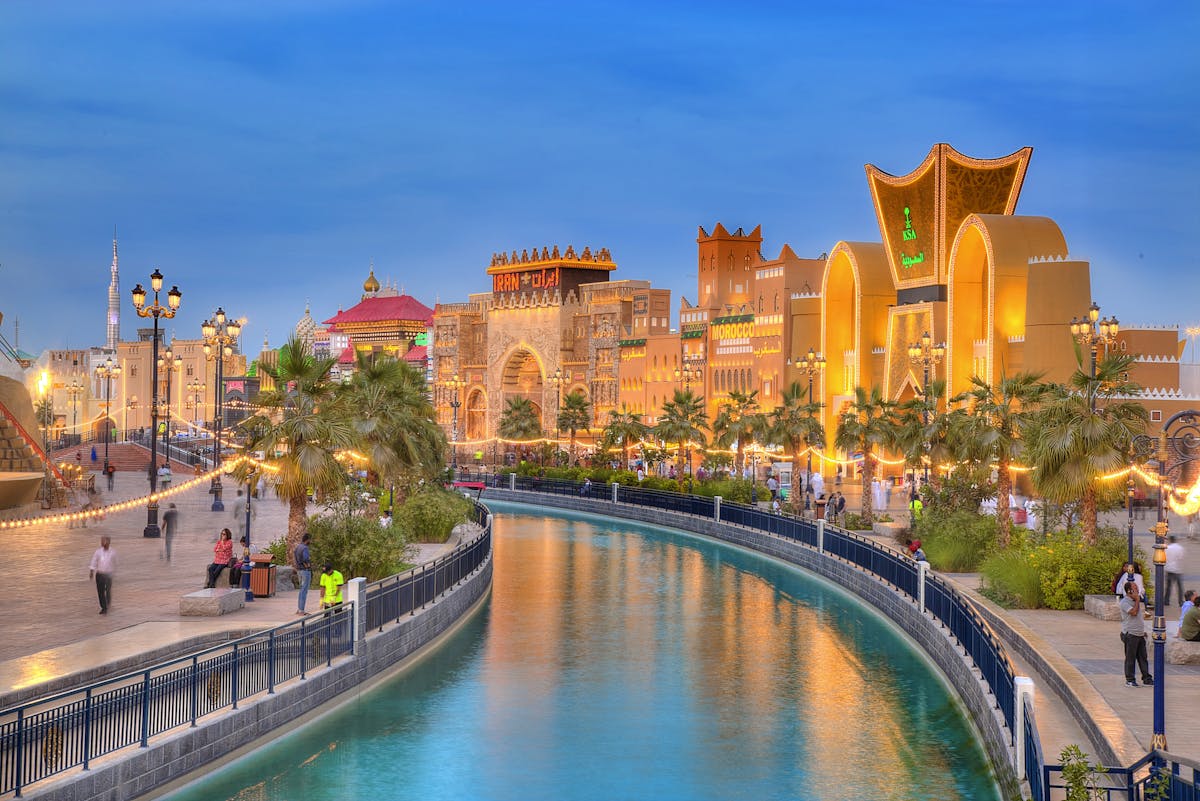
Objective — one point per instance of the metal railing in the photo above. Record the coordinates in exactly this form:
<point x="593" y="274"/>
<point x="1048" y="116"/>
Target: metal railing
<point x="44" y="737"/>
<point x="1159" y="775"/>
<point x="390" y="599"/>
<point x="1035" y="761"/>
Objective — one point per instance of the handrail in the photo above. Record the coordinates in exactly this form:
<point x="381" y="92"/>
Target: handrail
<point x="46" y="736"/>
<point x="32" y="443"/>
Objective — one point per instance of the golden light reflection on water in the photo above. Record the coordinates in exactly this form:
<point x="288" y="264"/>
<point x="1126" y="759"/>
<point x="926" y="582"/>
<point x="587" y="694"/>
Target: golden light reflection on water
<point x="750" y="649"/>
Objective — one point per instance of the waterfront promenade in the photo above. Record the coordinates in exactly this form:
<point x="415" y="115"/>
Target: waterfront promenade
<point x="53" y="629"/>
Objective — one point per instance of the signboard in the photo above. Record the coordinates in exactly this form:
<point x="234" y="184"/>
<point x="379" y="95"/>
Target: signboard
<point x="545" y="278"/>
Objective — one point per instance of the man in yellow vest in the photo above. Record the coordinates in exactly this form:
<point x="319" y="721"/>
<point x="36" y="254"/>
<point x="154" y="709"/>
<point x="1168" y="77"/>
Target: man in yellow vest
<point x="915" y="507"/>
<point x="331" y="587"/>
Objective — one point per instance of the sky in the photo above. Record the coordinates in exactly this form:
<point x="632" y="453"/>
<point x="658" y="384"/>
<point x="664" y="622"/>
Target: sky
<point x="263" y="154"/>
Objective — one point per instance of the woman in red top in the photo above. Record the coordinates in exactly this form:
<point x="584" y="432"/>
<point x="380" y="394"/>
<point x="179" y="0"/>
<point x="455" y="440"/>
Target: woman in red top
<point x="222" y="556"/>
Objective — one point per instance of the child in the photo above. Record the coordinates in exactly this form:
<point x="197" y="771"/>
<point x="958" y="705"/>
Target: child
<point x="331" y="587"/>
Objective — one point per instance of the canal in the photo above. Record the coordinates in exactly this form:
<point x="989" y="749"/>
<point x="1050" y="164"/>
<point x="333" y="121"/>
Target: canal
<point x="616" y="660"/>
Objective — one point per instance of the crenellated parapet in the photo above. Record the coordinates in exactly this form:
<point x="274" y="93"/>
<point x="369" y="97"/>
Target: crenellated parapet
<point x="601" y="258"/>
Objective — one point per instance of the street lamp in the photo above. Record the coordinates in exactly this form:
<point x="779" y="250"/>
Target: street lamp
<point x="108" y="371"/>
<point x="454" y="384"/>
<point x="687" y="374"/>
<point x="196" y="389"/>
<point x="926" y="355"/>
<point x="558" y="378"/>
<point x="1091" y="332"/>
<point x="812" y="365"/>
<point x="220" y="334"/>
<point x="155" y="310"/>
<point x="172" y="364"/>
<point x="73" y="392"/>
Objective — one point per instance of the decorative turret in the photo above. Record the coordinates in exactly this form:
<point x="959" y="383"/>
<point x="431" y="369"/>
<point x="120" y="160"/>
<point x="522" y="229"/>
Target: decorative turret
<point x="371" y="285"/>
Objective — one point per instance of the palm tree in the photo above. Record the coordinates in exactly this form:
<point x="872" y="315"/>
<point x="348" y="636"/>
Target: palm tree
<point x="794" y="423"/>
<point x="993" y="430"/>
<point x="1083" y="432"/>
<point x="574" y="415"/>
<point x="300" y="426"/>
<point x="865" y="425"/>
<point x="738" y="421"/>
<point x="519" y="421"/>
<point x="624" y="429"/>
<point x="683" y="421"/>
<point x="394" y="421"/>
<point x="921" y="428"/>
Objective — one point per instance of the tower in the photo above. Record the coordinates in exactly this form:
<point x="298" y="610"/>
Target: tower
<point x="114" y="302"/>
<point x="726" y="268"/>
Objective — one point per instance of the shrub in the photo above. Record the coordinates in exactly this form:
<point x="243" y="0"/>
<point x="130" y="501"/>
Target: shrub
<point x="1069" y="570"/>
<point x="1011" y="580"/>
<point x="955" y="541"/>
<point x="431" y="514"/>
<point x="734" y="490"/>
<point x="854" y="522"/>
<point x="357" y="546"/>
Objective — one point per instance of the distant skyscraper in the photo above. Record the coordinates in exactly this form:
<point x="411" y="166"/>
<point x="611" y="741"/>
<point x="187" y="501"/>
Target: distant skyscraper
<point x="114" y="302"/>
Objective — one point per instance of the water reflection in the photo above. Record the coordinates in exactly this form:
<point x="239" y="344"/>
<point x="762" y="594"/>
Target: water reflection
<point x="620" y="662"/>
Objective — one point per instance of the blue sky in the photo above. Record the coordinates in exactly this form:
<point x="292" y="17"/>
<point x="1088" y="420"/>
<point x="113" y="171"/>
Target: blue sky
<point x="261" y="153"/>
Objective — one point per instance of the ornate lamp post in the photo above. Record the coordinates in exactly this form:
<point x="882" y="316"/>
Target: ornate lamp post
<point x="1178" y="438"/>
<point x="107" y="371"/>
<point x="558" y="378"/>
<point x="220" y="334"/>
<point x="454" y="384"/>
<point x="172" y="364"/>
<point x="155" y="310"/>
<point x="196" y="388"/>
<point x="812" y="365"/>
<point x="73" y="392"/>
<point x="1091" y="332"/>
<point x="927" y="356"/>
<point x="686" y="375"/>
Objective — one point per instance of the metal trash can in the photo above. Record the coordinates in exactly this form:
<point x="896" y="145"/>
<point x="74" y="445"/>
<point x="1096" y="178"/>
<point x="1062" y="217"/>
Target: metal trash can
<point x="262" y="575"/>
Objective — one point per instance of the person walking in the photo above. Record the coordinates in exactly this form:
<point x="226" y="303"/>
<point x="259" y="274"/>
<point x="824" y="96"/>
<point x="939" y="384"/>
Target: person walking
<point x="303" y="560"/>
<point x="110" y="474"/>
<point x="239" y="512"/>
<point x="169" y="522"/>
<point x="331" y="587"/>
<point x="102" y="567"/>
<point x="1174" y="570"/>
<point x="1133" y="635"/>
<point x="915" y="508"/>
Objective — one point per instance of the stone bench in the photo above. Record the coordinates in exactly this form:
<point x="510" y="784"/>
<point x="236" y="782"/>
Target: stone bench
<point x="1182" y="652"/>
<point x="1105" y="607"/>
<point x="210" y="603"/>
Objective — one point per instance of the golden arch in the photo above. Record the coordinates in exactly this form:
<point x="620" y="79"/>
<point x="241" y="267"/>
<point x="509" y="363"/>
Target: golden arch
<point x="988" y="292"/>
<point x="476" y="416"/>
<point x="522" y="376"/>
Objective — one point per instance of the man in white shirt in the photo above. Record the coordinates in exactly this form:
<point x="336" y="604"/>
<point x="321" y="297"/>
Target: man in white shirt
<point x="104" y="563"/>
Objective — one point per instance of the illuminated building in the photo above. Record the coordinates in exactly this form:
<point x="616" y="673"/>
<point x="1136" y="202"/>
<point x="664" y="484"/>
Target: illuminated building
<point x="547" y="312"/>
<point x="383" y="321"/>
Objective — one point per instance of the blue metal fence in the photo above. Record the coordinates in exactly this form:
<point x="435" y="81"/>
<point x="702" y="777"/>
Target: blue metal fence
<point x="1158" y="775"/>
<point x="68" y="730"/>
<point x="392" y="598"/>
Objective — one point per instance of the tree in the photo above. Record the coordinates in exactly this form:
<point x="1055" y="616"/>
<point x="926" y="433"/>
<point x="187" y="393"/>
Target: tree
<point x="519" y="421"/>
<point x="683" y="421"/>
<point x="393" y="421"/>
<point x="574" y="415"/>
<point x="994" y="428"/>
<point x="738" y="421"/>
<point x="300" y="426"/>
<point x="1084" y="431"/>
<point x="864" y="426"/>
<point x="922" y="430"/>
<point x="795" y="422"/>
<point x="624" y="429"/>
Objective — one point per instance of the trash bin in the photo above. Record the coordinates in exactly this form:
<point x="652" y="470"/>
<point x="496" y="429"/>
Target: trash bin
<point x="262" y="576"/>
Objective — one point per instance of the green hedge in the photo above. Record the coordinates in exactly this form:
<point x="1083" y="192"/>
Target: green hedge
<point x="955" y="541"/>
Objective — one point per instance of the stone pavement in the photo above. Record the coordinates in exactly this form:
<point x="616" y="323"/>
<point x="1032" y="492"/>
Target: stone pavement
<point x="52" y="627"/>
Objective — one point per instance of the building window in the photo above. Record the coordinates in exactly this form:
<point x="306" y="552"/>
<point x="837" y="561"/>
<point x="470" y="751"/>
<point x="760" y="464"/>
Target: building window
<point x="1124" y="346"/>
<point x="1155" y="414"/>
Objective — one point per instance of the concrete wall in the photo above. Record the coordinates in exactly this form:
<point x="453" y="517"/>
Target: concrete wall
<point x="923" y="629"/>
<point x="134" y="772"/>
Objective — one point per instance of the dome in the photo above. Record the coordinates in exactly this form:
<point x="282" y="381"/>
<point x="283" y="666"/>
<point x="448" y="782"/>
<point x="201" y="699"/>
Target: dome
<point x="371" y="285"/>
<point x="306" y="328"/>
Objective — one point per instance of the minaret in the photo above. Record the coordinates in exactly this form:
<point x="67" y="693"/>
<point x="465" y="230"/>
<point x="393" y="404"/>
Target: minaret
<point x="114" y="301"/>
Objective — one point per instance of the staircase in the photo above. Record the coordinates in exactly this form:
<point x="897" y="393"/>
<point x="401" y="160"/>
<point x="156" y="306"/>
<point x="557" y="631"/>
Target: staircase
<point x="20" y="454"/>
<point x="123" y="456"/>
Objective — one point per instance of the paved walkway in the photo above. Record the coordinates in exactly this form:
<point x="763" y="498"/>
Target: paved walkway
<point x="52" y="627"/>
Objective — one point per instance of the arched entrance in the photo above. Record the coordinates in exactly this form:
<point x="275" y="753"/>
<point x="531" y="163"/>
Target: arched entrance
<point x="476" y="414"/>
<point x="970" y="306"/>
<point x="522" y="378"/>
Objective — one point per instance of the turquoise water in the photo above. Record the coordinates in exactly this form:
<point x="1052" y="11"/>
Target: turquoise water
<point x="620" y="661"/>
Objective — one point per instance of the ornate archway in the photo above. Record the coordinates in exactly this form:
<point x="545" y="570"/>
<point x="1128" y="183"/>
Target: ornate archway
<point x="476" y="408"/>
<point x="521" y="377"/>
